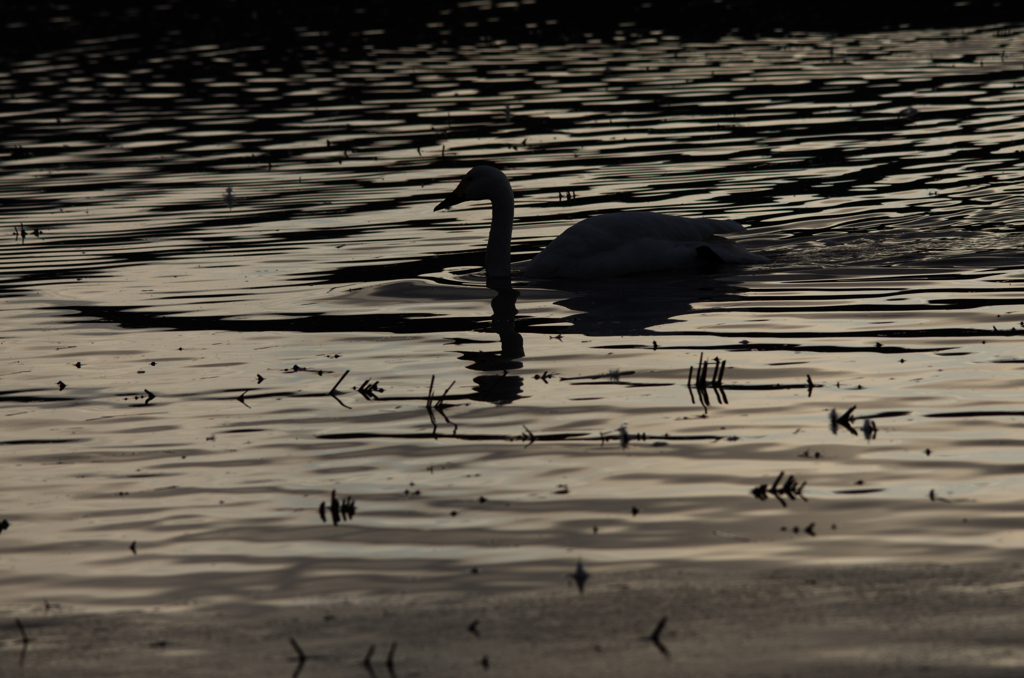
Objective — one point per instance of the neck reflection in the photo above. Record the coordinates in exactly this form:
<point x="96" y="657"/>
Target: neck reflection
<point x="499" y="388"/>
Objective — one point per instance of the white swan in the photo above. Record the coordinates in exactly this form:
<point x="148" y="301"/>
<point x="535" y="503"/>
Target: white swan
<point x="604" y="246"/>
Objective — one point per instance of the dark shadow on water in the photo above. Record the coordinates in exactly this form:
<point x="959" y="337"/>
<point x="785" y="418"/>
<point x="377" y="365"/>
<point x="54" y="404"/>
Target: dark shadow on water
<point x="350" y="29"/>
<point x="633" y="306"/>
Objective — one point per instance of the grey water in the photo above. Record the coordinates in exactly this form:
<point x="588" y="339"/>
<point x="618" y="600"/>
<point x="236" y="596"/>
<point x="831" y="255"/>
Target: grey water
<point x="224" y="294"/>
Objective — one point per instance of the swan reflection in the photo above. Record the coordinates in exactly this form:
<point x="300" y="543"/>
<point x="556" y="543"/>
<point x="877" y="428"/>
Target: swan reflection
<point x="500" y="388"/>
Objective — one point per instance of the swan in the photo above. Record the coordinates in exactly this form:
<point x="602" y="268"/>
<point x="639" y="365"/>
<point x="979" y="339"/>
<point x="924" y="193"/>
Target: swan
<point x="603" y="246"/>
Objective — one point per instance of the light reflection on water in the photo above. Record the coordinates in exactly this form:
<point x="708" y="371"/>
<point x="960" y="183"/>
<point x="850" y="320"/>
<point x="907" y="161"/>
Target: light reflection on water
<point x="198" y="336"/>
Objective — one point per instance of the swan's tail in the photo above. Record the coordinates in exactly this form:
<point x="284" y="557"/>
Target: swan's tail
<point x="733" y="252"/>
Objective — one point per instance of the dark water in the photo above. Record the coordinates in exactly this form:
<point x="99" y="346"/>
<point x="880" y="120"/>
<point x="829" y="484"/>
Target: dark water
<point x="201" y="241"/>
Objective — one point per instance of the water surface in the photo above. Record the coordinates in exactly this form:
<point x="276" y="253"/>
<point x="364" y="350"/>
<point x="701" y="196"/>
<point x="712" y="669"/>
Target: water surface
<point x="224" y="294"/>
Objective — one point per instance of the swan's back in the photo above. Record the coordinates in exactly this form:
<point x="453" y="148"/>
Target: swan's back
<point x="627" y="243"/>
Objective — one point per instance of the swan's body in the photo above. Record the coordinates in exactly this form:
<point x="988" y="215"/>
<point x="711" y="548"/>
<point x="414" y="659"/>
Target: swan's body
<point x="603" y="246"/>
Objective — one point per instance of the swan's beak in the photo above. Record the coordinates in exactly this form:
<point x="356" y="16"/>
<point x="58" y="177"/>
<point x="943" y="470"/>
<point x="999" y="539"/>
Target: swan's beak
<point x="457" y="196"/>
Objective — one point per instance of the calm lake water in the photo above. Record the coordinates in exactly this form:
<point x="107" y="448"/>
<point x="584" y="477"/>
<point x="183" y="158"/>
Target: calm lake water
<point x="224" y="294"/>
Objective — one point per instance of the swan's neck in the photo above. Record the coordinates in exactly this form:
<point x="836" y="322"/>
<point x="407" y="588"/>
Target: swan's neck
<point x="498" y="260"/>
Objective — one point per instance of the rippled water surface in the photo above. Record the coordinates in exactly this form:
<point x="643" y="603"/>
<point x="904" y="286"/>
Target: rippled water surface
<point x="224" y="294"/>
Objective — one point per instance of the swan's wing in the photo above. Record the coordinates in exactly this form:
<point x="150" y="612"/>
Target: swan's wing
<point x="625" y="243"/>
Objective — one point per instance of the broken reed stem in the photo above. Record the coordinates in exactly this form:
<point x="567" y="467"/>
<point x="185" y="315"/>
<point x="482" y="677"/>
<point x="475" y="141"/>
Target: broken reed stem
<point x="334" y="389"/>
<point x="298" y="650"/>
<point x="656" y="636"/>
<point x="699" y="378"/>
<point x="441" y="399"/>
<point x="21" y="629"/>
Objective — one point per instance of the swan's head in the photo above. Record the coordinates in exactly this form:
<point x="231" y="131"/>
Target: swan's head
<point x="483" y="182"/>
